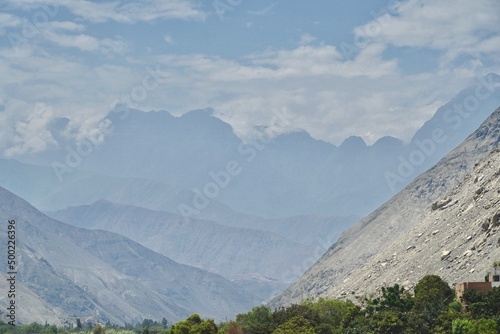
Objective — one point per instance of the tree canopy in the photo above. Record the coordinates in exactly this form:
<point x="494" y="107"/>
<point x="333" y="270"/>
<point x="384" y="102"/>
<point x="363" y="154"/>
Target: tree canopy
<point x="432" y="309"/>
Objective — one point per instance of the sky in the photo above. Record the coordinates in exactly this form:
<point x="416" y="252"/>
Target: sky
<point x="335" y="68"/>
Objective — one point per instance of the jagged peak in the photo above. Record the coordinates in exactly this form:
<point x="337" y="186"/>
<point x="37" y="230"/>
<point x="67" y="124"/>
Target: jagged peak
<point x="199" y="113"/>
<point x="353" y="142"/>
<point x="388" y="141"/>
<point x="122" y="113"/>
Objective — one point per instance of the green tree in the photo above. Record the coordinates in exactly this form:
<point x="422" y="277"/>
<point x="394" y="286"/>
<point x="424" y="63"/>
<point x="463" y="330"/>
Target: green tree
<point x="483" y="304"/>
<point x="98" y="329"/>
<point x="194" y="325"/>
<point x="51" y="330"/>
<point x="284" y="314"/>
<point x="487" y="326"/>
<point x="444" y="321"/>
<point x="356" y="322"/>
<point x="387" y="322"/>
<point x="493" y="301"/>
<point x="147" y="323"/>
<point x="33" y="328"/>
<point x="231" y="327"/>
<point x="330" y="311"/>
<point x="257" y="321"/>
<point x="181" y="327"/>
<point x="393" y="298"/>
<point x="205" y="327"/>
<point x="296" y="325"/>
<point x="455" y="306"/>
<point x="464" y="326"/>
<point x="432" y="297"/>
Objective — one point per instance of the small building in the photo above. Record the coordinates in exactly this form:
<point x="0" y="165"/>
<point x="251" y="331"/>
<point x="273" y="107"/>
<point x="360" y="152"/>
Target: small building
<point x="494" y="277"/>
<point x="460" y="288"/>
<point x="491" y="280"/>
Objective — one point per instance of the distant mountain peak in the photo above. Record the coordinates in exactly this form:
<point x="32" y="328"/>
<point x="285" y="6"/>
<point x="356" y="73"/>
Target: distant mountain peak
<point x="199" y="113"/>
<point x="296" y="135"/>
<point x="122" y="113"/>
<point x="58" y="124"/>
<point x="388" y="142"/>
<point x="353" y="143"/>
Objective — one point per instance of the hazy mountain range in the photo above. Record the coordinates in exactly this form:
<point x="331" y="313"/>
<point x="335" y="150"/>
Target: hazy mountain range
<point x="65" y="272"/>
<point x="291" y="174"/>
<point x="251" y="216"/>
<point x="231" y="251"/>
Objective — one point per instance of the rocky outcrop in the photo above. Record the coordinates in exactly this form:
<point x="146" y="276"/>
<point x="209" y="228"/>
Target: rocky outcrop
<point x="441" y="203"/>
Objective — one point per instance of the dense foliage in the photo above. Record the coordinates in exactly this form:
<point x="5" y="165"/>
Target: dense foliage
<point x="146" y="327"/>
<point x="431" y="309"/>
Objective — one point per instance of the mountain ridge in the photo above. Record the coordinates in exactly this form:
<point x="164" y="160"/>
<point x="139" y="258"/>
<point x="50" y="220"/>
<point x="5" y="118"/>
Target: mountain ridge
<point x="226" y="250"/>
<point x="285" y="175"/>
<point x="104" y="275"/>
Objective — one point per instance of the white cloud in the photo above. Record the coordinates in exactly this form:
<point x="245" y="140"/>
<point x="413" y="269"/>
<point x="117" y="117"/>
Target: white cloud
<point x="322" y="60"/>
<point x="165" y="9"/>
<point x="85" y="42"/>
<point x="67" y="87"/>
<point x="64" y="25"/>
<point x="307" y="39"/>
<point x="70" y="35"/>
<point x="263" y="11"/>
<point x="168" y="39"/>
<point x="42" y="24"/>
<point x="119" y="11"/>
<point x="81" y="42"/>
<point x="8" y="21"/>
<point x="31" y="134"/>
<point x="328" y="95"/>
<point x="454" y="28"/>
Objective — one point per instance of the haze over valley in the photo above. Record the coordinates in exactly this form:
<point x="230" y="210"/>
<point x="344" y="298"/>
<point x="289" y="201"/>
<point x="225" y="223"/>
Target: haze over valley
<point x="161" y="159"/>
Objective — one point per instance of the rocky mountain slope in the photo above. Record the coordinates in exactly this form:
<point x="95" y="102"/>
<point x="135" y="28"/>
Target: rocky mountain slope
<point x="66" y="272"/>
<point x="403" y="239"/>
<point x="459" y="238"/>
